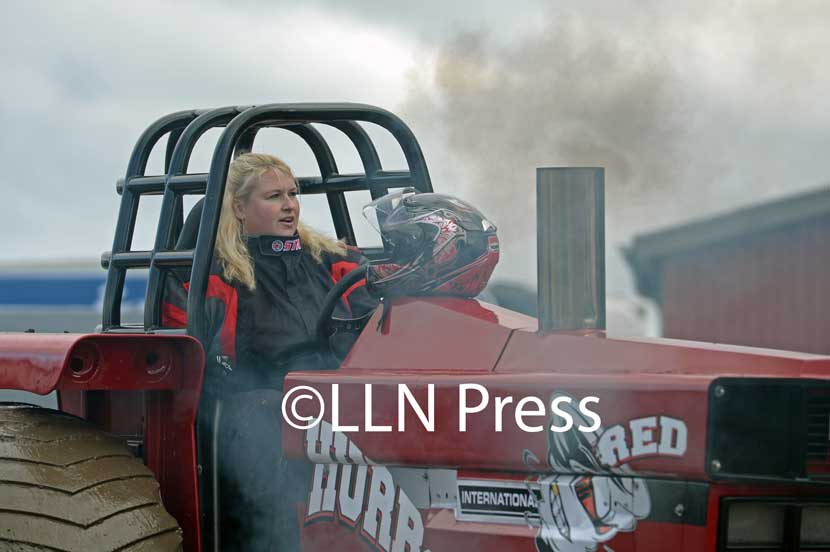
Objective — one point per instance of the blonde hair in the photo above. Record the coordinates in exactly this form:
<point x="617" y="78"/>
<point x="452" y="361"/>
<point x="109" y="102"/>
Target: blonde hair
<point x="231" y="249"/>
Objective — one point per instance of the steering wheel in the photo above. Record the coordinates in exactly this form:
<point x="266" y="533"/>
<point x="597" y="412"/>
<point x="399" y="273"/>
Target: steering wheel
<point x="333" y="337"/>
<point x="332" y="330"/>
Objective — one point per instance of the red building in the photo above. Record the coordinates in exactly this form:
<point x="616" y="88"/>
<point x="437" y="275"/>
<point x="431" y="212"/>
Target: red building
<point x="758" y="276"/>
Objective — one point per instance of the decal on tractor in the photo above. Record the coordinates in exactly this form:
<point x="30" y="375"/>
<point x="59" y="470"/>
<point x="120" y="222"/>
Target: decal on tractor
<point x="356" y="492"/>
<point x="649" y="436"/>
<point x="498" y="501"/>
<point x="579" y="512"/>
<point x="593" y="494"/>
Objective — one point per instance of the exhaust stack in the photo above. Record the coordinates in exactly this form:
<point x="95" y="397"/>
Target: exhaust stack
<point x="570" y="242"/>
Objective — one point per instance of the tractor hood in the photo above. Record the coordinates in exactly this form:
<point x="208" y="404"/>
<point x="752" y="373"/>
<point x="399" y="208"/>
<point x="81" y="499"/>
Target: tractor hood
<point x="664" y="408"/>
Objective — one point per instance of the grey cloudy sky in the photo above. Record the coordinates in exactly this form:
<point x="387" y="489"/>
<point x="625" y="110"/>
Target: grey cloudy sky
<point x="692" y="107"/>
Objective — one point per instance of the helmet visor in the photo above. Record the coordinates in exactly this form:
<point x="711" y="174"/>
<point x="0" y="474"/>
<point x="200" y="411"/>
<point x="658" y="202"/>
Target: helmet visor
<point x="381" y="213"/>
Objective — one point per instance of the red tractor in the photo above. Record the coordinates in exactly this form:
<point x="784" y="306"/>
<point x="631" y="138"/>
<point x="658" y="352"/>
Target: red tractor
<point x="451" y="424"/>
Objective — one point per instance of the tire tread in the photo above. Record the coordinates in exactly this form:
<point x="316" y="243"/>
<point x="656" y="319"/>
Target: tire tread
<point x="65" y="485"/>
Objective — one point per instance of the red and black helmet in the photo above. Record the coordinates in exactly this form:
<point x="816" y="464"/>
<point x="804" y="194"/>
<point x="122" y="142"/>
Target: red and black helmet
<point x="435" y="244"/>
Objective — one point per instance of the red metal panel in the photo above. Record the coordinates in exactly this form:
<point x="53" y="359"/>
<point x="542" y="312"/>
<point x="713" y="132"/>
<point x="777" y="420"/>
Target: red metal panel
<point x="118" y="412"/>
<point x="170" y="442"/>
<point x="120" y="362"/>
<point x="73" y="402"/>
<point x="442" y="532"/>
<point x="436" y="334"/>
<point x="481" y="447"/>
<point x="34" y="362"/>
<point x="41" y="363"/>
<point x="633" y="379"/>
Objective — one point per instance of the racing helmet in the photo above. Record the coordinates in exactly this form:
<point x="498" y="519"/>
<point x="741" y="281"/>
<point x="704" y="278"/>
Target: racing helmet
<point x="435" y="243"/>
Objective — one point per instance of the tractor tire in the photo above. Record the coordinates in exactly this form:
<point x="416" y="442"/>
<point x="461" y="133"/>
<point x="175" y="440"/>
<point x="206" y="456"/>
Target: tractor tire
<point x="66" y="485"/>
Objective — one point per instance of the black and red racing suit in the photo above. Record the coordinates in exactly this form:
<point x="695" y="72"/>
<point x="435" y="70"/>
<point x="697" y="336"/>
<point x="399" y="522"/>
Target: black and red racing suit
<point x="249" y="332"/>
<point x="250" y="329"/>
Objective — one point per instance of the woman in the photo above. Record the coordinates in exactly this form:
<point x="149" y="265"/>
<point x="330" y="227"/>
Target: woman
<point x="266" y="288"/>
<point x="269" y="277"/>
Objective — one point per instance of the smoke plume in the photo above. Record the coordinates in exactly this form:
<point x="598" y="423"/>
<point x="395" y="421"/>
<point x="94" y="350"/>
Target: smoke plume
<point x="691" y="109"/>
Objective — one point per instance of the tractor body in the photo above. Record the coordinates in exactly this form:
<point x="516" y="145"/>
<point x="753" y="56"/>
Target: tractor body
<point x="672" y="445"/>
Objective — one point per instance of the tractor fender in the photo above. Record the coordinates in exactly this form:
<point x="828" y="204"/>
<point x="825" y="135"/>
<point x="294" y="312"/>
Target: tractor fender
<point x="34" y="362"/>
<point x="41" y="363"/>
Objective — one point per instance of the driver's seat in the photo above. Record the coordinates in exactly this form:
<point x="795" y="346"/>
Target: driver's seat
<point x="173" y="279"/>
<point x="190" y="228"/>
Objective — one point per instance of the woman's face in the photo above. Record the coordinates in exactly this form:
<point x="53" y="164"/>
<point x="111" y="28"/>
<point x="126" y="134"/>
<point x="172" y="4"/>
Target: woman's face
<point x="272" y="208"/>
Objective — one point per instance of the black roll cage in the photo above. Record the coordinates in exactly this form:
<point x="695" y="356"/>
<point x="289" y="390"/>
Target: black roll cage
<point x="241" y="124"/>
